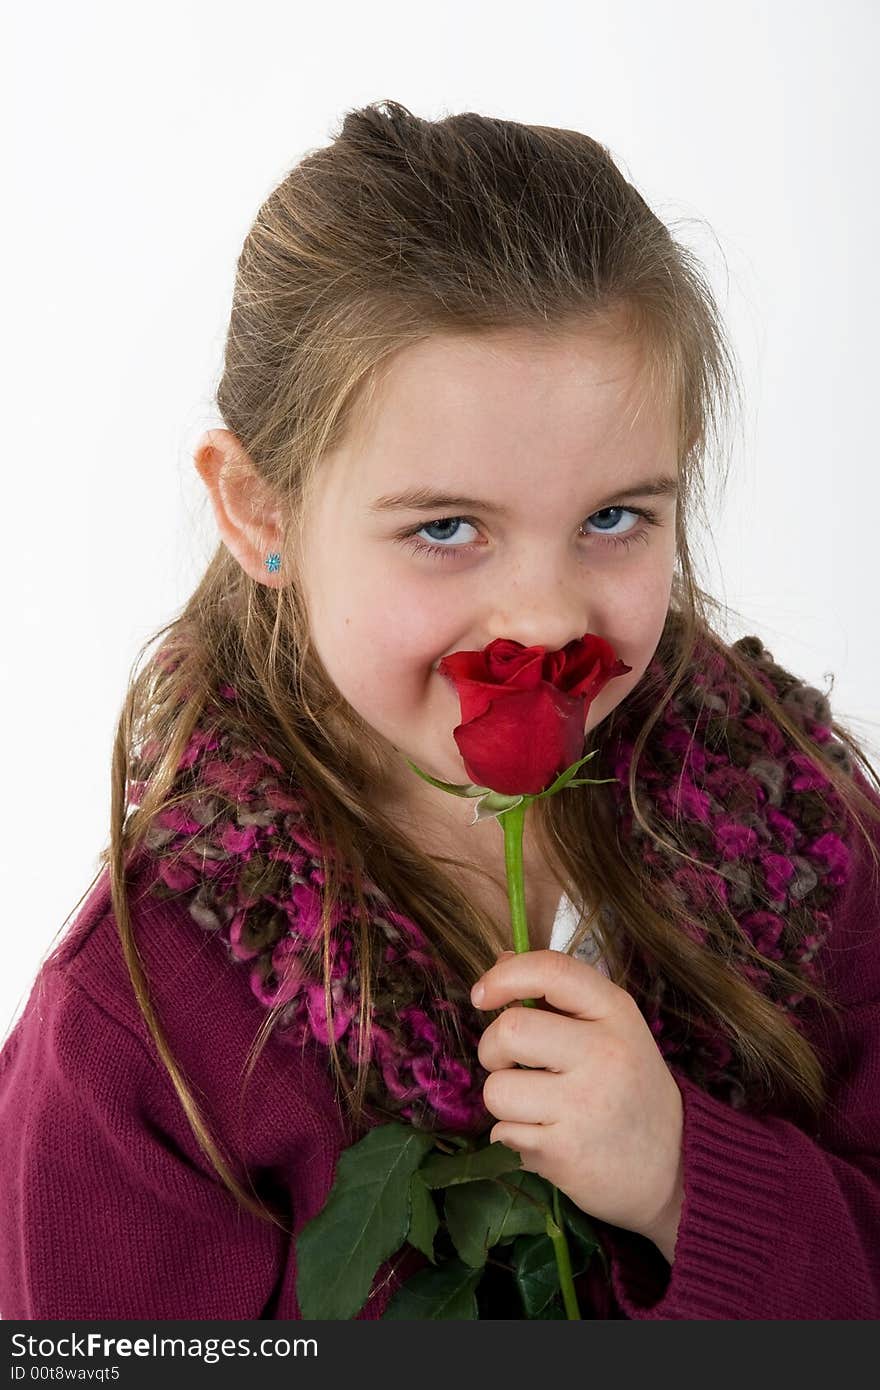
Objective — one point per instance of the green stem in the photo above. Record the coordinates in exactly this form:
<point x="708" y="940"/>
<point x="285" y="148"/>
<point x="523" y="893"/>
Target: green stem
<point x="512" y="823"/>
<point x="556" y="1232"/>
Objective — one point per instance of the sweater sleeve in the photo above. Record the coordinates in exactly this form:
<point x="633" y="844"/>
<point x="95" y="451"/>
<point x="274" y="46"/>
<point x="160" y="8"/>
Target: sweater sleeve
<point x="778" y="1222"/>
<point x="106" y="1211"/>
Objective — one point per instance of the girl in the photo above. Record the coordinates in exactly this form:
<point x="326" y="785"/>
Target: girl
<point x="470" y="389"/>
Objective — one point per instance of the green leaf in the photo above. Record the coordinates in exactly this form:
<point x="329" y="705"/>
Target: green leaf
<point x="363" y="1222"/>
<point x="445" y="1292"/>
<point x="444" y="1170"/>
<point x="579" y="1224"/>
<point x="478" y="1214"/>
<point x="458" y="1140"/>
<point x="424" y="1220"/>
<point x="537" y="1275"/>
<point x="554" y="1309"/>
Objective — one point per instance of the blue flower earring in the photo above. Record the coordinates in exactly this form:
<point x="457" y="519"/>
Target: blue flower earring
<point x="273" y="562"/>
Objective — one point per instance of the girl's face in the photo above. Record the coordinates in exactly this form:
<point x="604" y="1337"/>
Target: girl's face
<point x="536" y="455"/>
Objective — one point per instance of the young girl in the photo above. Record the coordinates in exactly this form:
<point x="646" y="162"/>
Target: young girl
<point x="470" y="391"/>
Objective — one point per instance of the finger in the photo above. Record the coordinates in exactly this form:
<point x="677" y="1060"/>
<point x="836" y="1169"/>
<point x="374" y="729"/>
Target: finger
<point x="529" y="1141"/>
<point x="566" y="983"/>
<point x="532" y="1038"/>
<point x="527" y="1097"/>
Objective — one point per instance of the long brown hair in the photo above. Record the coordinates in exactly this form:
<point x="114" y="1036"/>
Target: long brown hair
<point x="400" y="228"/>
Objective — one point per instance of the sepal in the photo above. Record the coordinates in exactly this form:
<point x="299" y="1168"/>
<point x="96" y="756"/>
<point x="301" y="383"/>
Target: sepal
<point x="565" y="777"/>
<point x="492" y="803"/>
<point x="465" y="789"/>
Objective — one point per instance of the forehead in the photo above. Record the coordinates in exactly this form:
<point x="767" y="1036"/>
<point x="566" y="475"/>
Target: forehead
<point x="504" y="403"/>
<point x="508" y="382"/>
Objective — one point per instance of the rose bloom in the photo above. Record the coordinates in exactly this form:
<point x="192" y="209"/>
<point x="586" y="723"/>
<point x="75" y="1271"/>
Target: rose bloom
<point x="523" y="710"/>
<point x="553" y="441"/>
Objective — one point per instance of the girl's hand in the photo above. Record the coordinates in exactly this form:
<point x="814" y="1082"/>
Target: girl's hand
<point x="603" y="1121"/>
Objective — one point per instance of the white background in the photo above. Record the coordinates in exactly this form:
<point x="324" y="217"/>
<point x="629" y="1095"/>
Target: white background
<point x="143" y="140"/>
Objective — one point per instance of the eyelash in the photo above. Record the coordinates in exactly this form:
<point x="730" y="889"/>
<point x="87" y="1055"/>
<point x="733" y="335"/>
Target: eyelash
<point x="443" y="552"/>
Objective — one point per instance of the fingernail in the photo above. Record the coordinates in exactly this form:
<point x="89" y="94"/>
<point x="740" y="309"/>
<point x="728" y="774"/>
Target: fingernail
<point x="477" y="994"/>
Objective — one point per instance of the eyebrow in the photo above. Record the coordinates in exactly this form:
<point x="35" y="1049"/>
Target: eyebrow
<point x="424" y="499"/>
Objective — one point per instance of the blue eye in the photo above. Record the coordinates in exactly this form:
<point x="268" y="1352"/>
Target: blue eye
<point x="647" y="516"/>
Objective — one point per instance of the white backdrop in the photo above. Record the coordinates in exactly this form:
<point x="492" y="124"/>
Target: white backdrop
<point x="143" y="142"/>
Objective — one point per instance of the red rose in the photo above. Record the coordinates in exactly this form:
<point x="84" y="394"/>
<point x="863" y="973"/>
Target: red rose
<point x="523" y="709"/>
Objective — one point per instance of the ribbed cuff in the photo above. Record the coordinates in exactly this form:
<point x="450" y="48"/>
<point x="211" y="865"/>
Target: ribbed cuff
<point x="735" y="1204"/>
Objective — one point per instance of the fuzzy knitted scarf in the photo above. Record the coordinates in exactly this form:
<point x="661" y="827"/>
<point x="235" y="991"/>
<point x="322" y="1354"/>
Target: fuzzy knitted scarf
<point x="745" y="796"/>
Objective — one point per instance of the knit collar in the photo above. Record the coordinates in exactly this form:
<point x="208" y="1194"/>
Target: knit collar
<point x="713" y="763"/>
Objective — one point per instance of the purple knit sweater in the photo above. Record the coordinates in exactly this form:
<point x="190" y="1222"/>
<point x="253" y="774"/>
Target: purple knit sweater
<point x="109" y="1209"/>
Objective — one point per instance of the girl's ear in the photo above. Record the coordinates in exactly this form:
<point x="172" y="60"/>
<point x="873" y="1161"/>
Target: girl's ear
<point x="248" y="517"/>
